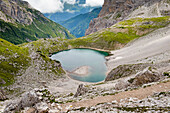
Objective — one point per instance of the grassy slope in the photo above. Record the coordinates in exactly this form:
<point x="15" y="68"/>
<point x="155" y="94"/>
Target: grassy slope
<point x="17" y="33"/>
<point x="111" y="38"/>
<point x="121" y="33"/>
<point x="48" y="46"/>
<point x="12" y="60"/>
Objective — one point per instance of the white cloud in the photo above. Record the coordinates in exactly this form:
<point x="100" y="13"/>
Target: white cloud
<point x="94" y="2"/>
<point x="47" y="6"/>
<point x="70" y="11"/>
<point x="70" y="1"/>
<point x="51" y="6"/>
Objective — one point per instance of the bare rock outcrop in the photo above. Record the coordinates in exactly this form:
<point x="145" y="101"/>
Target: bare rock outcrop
<point x="125" y="70"/>
<point x="17" y="11"/>
<point x="148" y="75"/>
<point x="28" y="100"/>
<point x="114" y="11"/>
<point x="81" y="90"/>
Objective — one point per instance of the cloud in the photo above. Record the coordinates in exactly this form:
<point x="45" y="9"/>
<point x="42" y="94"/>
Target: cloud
<point x="47" y="6"/>
<point x="51" y="6"/>
<point x="94" y="2"/>
<point x="70" y="1"/>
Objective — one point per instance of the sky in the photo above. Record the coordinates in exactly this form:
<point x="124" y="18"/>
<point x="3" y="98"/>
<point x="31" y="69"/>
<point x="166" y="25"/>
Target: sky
<point x="51" y="6"/>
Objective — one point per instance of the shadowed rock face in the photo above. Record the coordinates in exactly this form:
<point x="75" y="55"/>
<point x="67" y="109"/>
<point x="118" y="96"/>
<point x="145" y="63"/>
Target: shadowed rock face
<point x="114" y="11"/>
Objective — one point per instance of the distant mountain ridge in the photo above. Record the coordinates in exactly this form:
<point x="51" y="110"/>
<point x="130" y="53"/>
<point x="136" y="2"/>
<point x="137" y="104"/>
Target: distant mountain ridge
<point x="78" y="25"/>
<point x="20" y="23"/>
<point x="70" y="11"/>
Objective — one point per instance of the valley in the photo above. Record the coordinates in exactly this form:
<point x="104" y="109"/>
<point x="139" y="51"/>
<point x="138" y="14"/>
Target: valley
<point x="136" y="71"/>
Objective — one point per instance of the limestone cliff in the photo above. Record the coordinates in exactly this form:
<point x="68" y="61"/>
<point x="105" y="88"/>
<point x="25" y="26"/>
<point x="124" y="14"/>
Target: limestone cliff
<point x="114" y="11"/>
<point x="16" y="11"/>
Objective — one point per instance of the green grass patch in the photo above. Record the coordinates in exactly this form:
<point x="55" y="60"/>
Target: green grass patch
<point x="12" y="59"/>
<point x="128" y="30"/>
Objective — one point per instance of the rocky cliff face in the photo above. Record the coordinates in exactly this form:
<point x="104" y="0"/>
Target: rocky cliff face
<point x="21" y="23"/>
<point x="114" y="11"/>
<point x="15" y="11"/>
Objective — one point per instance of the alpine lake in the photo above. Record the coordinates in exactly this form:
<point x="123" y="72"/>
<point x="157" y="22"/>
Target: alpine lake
<point x="85" y="65"/>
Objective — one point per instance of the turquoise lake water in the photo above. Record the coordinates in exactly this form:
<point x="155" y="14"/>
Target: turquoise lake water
<point x="74" y="58"/>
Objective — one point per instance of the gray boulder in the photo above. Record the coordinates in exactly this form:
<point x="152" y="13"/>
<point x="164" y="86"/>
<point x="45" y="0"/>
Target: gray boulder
<point x="148" y="75"/>
<point x="13" y="107"/>
<point x="81" y="90"/>
<point x="29" y="99"/>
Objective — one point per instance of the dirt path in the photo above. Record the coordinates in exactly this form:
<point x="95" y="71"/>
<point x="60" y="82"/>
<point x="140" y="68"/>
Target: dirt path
<point x="139" y="93"/>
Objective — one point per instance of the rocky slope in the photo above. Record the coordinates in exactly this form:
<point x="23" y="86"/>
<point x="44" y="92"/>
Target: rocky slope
<point x="118" y="35"/>
<point x="138" y="79"/>
<point x="114" y="11"/>
<point x="25" y="67"/>
<point x="21" y="23"/>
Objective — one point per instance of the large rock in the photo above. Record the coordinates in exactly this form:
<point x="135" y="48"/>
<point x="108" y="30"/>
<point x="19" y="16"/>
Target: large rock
<point x="125" y="70"/>
<point x="13" y="107"/>
<point x="42" y="107"/>
<point x="148" y="75"/>
<point x="28" y="100"/>
<point x="81" y="90"/>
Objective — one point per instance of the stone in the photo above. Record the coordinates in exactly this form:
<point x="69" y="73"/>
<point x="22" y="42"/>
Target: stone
<point x="121" y="85"/>
<point x="13" y="107"/>
<point x="29" y="99"/>
<point x="2" y="96"/>
<point x="39" y="93"/>
<point x="53" y="111"/>
<point x="2" y="81"/>
<point x="148" y="75"/>
<point x="81" y="90"/>
<point x="114" y="102"/>
<point x="125" y="70"/>
<point x="31" y="110"/>
<point x="42" y="107"/>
